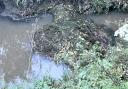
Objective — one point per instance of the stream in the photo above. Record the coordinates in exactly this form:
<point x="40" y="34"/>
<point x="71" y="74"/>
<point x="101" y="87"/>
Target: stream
<point x="16" y="60"/>
<point x="112" y="20"/>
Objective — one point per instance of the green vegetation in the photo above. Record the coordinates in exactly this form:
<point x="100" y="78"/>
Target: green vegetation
<point x="90" y="72"/>
<point x="80" y="6"/>
<point x="95" y="64"/>
<point x="29" y="8"/>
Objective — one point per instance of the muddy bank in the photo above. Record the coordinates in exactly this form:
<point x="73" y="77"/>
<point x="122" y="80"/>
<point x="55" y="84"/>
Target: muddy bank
<point x="77" y="33"/>
<point x="80" y="35"/>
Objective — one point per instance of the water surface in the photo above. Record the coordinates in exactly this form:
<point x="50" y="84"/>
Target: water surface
<point x="112" y="20"/>
<point x="15" y="46"/>
<point x="16" y="60"/>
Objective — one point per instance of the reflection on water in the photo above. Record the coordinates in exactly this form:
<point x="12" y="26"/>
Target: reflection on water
<point x="44" y="66"/>
<point x="41" y="66"/>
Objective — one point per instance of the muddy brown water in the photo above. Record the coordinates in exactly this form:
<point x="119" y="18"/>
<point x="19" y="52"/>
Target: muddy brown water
<point x="113" y="20"/>
<point x="15" y="49"/>
<point x="15" y="45"/>
<point x="13" y="54"/>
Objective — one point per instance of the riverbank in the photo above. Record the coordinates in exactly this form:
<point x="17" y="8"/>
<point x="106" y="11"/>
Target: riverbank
<point x="90" y="49"/>
<point x="18" y="9"/>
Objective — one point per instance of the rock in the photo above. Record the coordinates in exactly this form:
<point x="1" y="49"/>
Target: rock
<point x="122" y="32"/>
